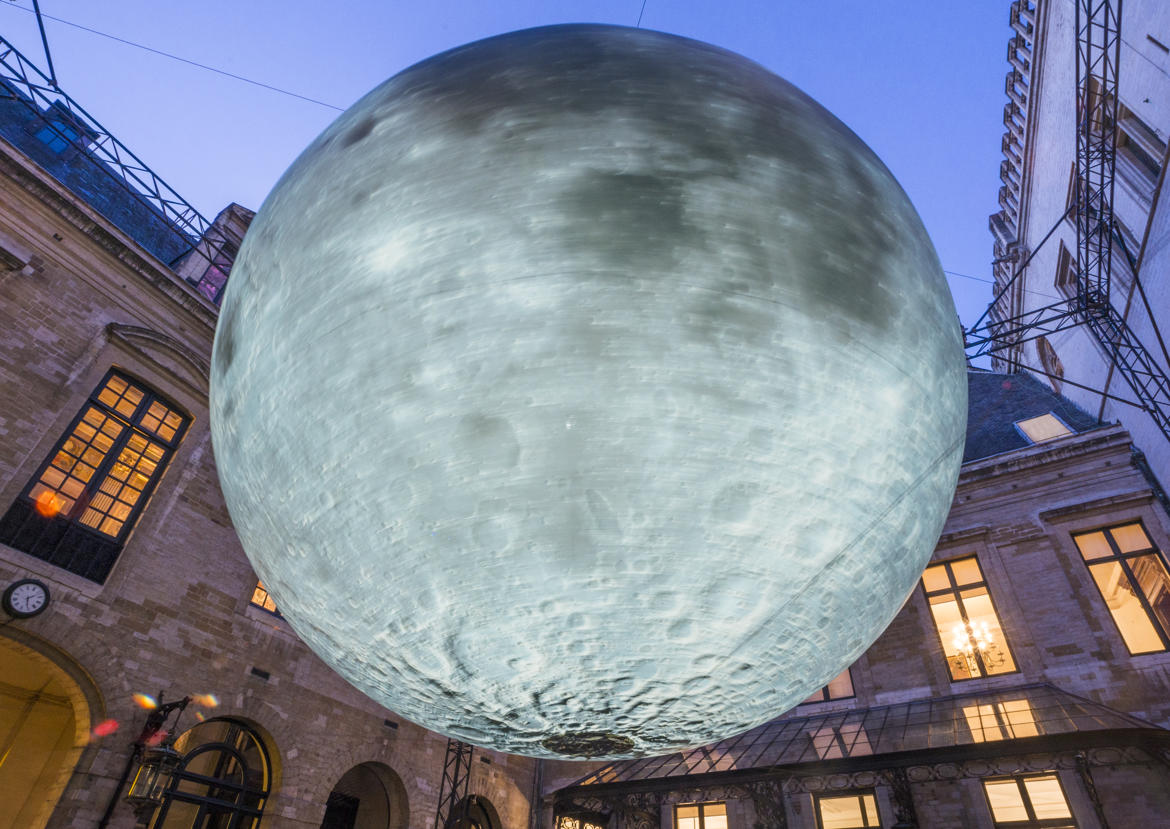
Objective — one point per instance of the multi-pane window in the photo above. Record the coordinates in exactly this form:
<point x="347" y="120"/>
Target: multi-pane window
<point x="972" y="637"/>
<point x="700" y="816"/>
<point x="1028" y="802"/>
<point x="58" y="137"/>
<point x="840" y="687"/>
<point x="1131" y="575"/>
<point x="1139" y="152"/>
<point x="851" y="811"/>
<point x="97" y="479"/>
<point x="261" y="599"/>
<point x="1007" y="720"/>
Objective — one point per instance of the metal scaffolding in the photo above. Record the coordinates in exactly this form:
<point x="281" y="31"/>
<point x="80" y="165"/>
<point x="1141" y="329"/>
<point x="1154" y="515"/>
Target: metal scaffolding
<point x="22" y="81"/>
<point x="1098" y="32"/>
<point x="456" y="777"/>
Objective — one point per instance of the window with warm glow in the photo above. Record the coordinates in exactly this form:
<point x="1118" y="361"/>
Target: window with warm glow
<point x="262" y="600"/>
<point x="700" y="816"/>
<point x="570" y="822"/>
<point x="1006" y="720"/>
<point x="972" y="637"/>
<point x="852" y="811"/>
<point x="97" y="479"/>
<point x="1035" y="800"/>
<point x="1131" y="575"/>
<point x="1042" y="428"/>
<point x="840" y="687"/>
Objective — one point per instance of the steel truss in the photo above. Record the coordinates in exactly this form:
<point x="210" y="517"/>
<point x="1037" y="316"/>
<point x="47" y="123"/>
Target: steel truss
<point x="1098" y="29"/>
<point x="456" y="777"/>
<point x="22" y="81"/>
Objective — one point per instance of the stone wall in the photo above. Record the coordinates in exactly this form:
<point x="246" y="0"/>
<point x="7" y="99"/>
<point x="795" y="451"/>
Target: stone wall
<point x="77" y="298"/>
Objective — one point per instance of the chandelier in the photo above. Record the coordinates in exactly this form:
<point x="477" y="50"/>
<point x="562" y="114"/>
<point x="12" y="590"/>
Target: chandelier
<point x="976" y="651"/>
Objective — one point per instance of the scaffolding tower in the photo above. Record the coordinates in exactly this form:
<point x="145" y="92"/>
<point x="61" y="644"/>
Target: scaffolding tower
<point x="1098" y="33"/>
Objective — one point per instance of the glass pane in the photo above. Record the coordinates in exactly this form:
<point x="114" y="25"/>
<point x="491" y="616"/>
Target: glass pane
<point x="817" y="696"/>
<point x="715" y="821"/>
<point x="841" y="812"/>
<point x="1093" y="545"/>
<point x="935" y="578"/>
<point x="180" y="815"/>
<point x="871" y="814"/>
<point x="1005" y="800"/>
<point x="1047" y="798"/>
<point x="686" y="817"/>
<point x="1131" y="537"/>
<point x="1044" y="427"/>
<point x="952" y="632"/>
<point x="1017" y="713"/>
<point x="1136" y="628"/>
<point x="1155" y="584"/>
<point x="841" y="686"/>
<point x="714" y="809"/>
<point x="982" y="723"/>
<point x="826" y="742"/>
<point x="986" y="633"/>
<point x="966" y="571"/>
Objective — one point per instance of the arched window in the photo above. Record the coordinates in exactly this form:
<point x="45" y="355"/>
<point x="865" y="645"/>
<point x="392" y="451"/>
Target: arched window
<point x="473" y="812"/>
<point x="222" y="781"/>
<point x="81" y="505"/>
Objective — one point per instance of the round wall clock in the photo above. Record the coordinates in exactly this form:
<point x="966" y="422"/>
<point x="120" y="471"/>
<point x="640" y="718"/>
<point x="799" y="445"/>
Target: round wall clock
<point x="25" y="598"/>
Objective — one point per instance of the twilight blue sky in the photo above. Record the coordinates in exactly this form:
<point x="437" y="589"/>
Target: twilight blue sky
<point x="922" y="84"/>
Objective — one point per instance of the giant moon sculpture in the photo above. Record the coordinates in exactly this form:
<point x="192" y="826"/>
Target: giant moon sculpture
<point x="588" y="392"/>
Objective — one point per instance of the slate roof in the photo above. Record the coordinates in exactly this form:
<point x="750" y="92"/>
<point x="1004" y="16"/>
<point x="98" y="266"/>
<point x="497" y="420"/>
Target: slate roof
<point x="996" y="401"/>
<point x="88" y="178"/>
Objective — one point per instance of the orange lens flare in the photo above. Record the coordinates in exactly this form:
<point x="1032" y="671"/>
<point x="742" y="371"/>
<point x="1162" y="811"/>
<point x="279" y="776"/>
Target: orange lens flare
<point x="199" y="716"/>
<point x="105" y="728"/>
<point x="49" y="503"/>
<point x="145" y="701"/>
<point x="205" y="700"/>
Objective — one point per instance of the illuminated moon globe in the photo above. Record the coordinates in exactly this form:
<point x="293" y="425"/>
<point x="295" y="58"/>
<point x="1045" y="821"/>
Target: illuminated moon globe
<point x="588" y="392"/>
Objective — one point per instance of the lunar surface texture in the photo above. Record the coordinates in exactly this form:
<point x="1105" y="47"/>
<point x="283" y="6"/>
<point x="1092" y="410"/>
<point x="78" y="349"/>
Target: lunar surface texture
<point x="588" y="392"/>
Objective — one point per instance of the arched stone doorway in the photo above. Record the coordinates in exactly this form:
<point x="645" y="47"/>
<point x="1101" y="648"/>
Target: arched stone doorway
<point x="474" y="812"/>
<point x="45" y="719"/>
<point x="368" y="796"/>
<point x="223" y="780"/>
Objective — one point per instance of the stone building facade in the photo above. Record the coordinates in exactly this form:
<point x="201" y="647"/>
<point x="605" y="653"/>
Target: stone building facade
<point x="94" y="331"/>
<point x="1019" y="675"/>
<point x="1039" y="149"/>
<point x="1024" y="683"/>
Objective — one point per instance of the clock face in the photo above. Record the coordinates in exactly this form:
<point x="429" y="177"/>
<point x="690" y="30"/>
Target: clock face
<point x="25" y="598"/>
